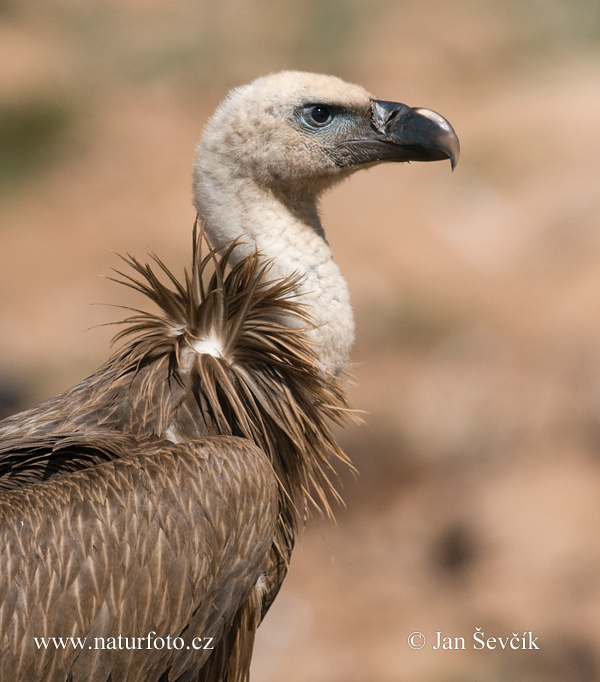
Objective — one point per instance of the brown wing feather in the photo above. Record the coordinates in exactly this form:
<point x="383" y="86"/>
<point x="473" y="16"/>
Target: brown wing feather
<point x="170" y="539"/>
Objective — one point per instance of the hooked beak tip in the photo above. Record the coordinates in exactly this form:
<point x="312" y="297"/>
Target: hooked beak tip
<point x="447" y="140"/>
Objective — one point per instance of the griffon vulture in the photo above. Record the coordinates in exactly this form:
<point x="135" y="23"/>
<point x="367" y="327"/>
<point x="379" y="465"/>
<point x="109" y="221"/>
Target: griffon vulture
<point x="150" y="511"/>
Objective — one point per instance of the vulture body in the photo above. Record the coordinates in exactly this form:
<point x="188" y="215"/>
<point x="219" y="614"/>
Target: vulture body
<point x="152" y="508"/>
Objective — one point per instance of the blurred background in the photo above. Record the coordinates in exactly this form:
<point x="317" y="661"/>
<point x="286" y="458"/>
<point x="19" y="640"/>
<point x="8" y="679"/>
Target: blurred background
<point x="477" y="297"/>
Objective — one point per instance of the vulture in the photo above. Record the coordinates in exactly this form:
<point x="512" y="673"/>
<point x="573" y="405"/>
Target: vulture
<point x="148" y="515"/>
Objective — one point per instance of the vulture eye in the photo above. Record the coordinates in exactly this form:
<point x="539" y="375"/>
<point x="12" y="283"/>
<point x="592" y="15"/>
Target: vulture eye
<point x="319" y="115"/>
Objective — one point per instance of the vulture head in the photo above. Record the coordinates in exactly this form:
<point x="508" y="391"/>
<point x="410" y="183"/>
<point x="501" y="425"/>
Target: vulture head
<point x="268" y="153"/>
<point x="295" y="134"/>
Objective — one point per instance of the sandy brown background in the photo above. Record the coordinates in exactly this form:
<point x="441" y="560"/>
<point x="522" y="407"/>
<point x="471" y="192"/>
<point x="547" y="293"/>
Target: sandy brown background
<point x="477" y="298"/>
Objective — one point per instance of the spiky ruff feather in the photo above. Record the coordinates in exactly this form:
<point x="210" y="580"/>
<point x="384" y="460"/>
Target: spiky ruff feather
<point x="239" y="369"/>
<point x="261" y="380"/>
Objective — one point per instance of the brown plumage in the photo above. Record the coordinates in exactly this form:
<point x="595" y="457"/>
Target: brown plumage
<point x="162" y="494"/>
<point x="107" y="430"/>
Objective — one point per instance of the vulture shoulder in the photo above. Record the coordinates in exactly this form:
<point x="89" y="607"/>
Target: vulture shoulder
<point x="180" y="533"/>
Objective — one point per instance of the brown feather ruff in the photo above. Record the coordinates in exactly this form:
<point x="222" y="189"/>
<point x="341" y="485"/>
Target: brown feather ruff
<point x="265" y="385"/>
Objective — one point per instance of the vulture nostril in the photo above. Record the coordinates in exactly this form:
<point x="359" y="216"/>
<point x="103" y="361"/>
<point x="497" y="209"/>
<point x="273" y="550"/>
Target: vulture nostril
<point x="393" y="115"/>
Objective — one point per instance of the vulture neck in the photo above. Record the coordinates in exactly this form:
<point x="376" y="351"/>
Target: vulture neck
<point x="289" y="233"/>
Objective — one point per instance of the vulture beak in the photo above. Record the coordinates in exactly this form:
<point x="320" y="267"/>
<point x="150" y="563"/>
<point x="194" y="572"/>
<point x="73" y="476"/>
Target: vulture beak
<point x="403" y="133"/>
